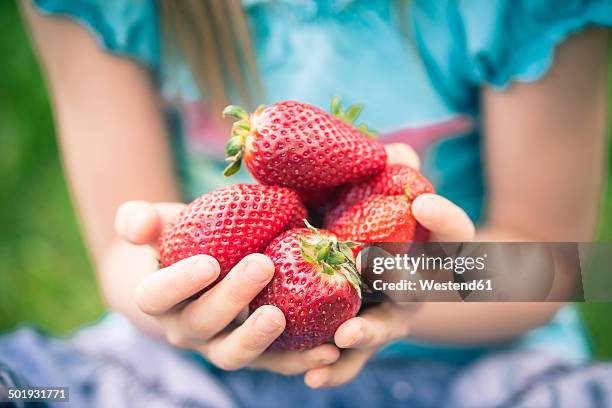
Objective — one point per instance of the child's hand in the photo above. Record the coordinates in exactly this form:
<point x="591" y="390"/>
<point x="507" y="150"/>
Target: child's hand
<point x="208" y="323"/>
<point x="362" y="336"/>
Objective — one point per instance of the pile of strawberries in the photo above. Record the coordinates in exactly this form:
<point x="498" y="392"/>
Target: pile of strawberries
<point x="308" y="162"/>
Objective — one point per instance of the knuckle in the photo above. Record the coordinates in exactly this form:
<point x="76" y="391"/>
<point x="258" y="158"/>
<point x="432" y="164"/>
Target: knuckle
<point x="144" y="301"/>
<point x="194" y="268"/>
<point x="387" y="327"/>
<point x="236" y="295"/>
<point x="284" y="370"/>
<point x="227" y="363"/>
<point x="304" y="364"/>
<point x="176" y="339"/>
<point x="253" y="344"/>
<point x="337" y="382"/>
<point x="185" y="277"/>
<point x="280" y="364"/>
<point x="147" y="308"/>
<point x="196" y="323"/>
<point x="388" y="331"/>
<point x="177" y="282"/>
<point x="402" y="326"/>
<point x="402" y="331"/>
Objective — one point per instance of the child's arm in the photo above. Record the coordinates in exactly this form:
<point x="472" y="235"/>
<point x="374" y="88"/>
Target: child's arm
<point x="112" y="141"/>
<point x="544" y="154"/>
<point x="115" y="148"/>
<point x="545" y="148"/>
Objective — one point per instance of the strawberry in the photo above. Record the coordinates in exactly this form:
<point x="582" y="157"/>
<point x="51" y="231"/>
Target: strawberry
<point x="297" y="145"/>
<point x="395" y="179"/>
<point x="230" y="223"/>
<point x="377" y="218"/>
<point x="315" y="284"/>
<point x="421" y="234"/>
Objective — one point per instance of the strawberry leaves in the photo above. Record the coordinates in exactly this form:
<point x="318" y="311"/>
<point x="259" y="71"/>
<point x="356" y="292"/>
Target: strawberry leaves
<point x="235" y="111"/>
<point x="332" y="256"/>
<point x="350" y="115"/>
<point x="235" y="146"/>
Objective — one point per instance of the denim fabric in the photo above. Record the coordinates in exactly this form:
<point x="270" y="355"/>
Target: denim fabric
<point x="111" y="364"/>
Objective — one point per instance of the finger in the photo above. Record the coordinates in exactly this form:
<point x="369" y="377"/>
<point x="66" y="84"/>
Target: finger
<point x="344" y="370"/>
<point x="401" y="153"/>
<point x="297" y="362"/>
<point x="214" y="310"/>
<point x="141" y="222"/>
<point x="164" y="289"/>
<point x="235" y="349"/>
<point x="446" y="221"/>
<point x="375" y="327"/>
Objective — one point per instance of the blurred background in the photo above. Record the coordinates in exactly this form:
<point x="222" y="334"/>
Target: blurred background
<point x="45" y="276"/>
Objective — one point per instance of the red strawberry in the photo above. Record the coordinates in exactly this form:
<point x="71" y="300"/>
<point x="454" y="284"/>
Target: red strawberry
<point x="230" y="223"/>
<point x="315" y="284"/>
<point x="421" y="234"/>
<point x="297" y="145"/>
<point x="377" y="218"/>
<point x="395" y="179"/>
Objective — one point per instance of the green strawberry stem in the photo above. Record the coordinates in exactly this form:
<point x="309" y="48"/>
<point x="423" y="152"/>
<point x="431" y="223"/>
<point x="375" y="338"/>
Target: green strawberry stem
<point x="332" y="256"/>
<point x="350" y="115"/>
<point x="235" y="146"/>
<point x="408" y="192"/>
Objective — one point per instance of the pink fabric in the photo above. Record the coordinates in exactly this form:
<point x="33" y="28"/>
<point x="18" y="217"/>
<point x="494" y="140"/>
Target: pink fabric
<point x="205" y="131"/>
<point x="424" y="136"/>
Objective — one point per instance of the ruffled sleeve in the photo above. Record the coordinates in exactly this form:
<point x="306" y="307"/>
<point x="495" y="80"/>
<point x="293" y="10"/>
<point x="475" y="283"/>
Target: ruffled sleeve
<point x="126" y="27"/>
<point x="515" y="40"/>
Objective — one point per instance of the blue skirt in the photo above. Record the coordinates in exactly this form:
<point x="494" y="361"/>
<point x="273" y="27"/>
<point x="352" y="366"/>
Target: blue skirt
<point x="112" y="364"/>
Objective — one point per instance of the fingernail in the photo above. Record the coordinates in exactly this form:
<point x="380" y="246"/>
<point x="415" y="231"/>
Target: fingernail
<point x="325" y="361"/>
<point x="316" y="382"/>
<point x="423" y="207"/>
<point x="132" y="227"/>
<point x="135" y="224"/>
<point x="356" y="339"/>
<point x="124" y="215"/>
<point x="203" y="266"/>
<point x="256" y="272"/>
<point x="267" y="325"/>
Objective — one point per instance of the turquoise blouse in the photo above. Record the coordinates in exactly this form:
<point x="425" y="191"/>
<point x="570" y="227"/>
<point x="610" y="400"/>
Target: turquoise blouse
<point x="423" y="90"/>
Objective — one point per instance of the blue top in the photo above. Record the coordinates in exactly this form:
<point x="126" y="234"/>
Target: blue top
<point x="422" y="90"/>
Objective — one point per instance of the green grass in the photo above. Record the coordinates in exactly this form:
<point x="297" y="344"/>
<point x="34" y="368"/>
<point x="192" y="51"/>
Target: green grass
<point x="45" y="275"/>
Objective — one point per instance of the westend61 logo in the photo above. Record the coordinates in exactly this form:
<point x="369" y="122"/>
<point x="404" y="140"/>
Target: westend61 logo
<point x="483" y="272"/>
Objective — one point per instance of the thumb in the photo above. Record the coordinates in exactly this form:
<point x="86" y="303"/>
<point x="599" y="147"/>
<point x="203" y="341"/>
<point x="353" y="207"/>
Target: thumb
<point x="446" y="221"/>
<point x="141" y="222"/>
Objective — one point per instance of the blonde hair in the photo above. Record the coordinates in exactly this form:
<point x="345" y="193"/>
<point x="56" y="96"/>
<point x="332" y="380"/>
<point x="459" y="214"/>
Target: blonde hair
<point x="213" y="37"/>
